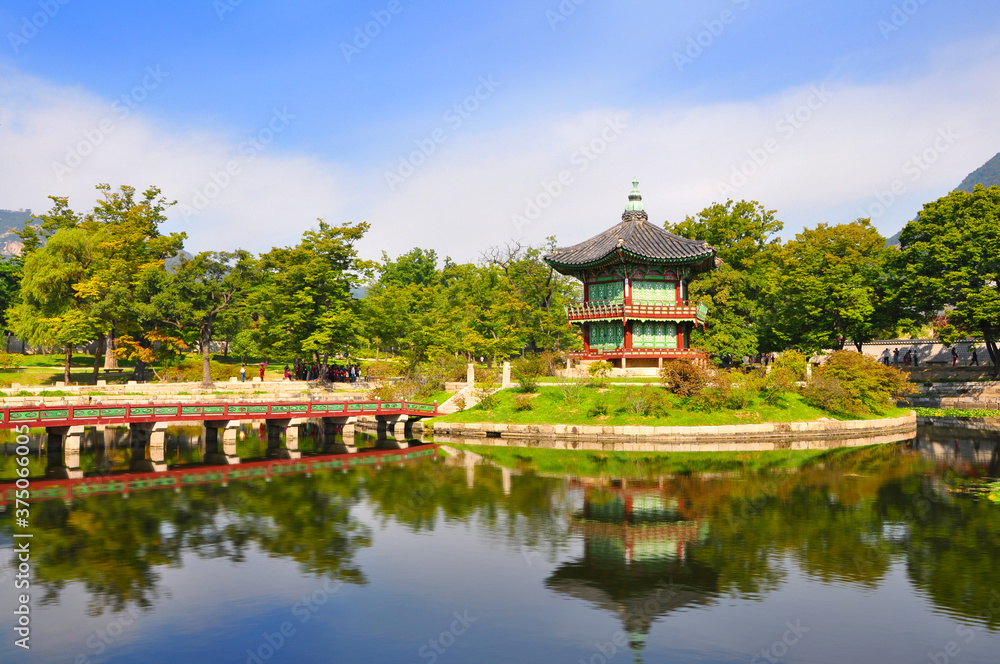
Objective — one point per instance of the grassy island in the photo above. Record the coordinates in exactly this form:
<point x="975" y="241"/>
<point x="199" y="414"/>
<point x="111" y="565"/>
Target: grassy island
<point x="618" y="406"/>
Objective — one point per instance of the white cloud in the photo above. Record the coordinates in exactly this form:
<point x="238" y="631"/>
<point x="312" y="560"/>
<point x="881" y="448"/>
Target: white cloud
<point x="463" y="199"/>
<point x="854" y="146"/>
<point x="63" y="141"/>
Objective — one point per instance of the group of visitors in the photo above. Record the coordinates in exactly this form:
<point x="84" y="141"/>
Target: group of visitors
<point x="335" y="373"/>
<point x="243" y="371"/>
<point x="912" y="357"/>
<point x="728" y="361"/>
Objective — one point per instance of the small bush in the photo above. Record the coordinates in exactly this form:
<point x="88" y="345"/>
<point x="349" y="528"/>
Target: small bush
<point x="854" y="384"/>
<point x="522" y="402"/>
<point x="399" y="390"/>
<point x="527" y="370"/>
<point x="486" y="388"/>
<point x="599" y="371"/>
<point x="683" y="378"/>
<point x="459" y="402"/>
<point x="598" y="409"/>
<point x="572" y="392"/>
<point x="646" y="400"/>
<point x="10" y="360"/>
<point x="792" y="363"/>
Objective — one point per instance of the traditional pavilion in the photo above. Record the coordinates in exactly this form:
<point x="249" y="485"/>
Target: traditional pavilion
<point x="635" y="312"/>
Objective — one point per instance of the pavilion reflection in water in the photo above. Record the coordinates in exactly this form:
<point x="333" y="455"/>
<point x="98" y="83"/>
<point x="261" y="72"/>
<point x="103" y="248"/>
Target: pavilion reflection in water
<point x="635" y="556"/>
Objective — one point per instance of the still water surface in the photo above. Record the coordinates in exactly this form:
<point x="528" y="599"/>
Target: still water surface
<point x="868" y="557"/>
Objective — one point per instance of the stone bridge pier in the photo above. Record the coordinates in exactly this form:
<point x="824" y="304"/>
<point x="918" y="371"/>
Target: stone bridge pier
<point x="148" y="446"/>
<point x="289" y="428"/>
<point x="62" y="446"/>
<point x="220" y="448"/>
<point x="331" y="426"/>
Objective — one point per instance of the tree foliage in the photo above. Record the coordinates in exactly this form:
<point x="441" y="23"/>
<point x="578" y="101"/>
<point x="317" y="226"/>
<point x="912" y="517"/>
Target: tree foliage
<point x="949" y="261"/>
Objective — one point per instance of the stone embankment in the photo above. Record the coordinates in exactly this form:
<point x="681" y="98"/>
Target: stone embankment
<point x="967" y="395"/>
<point x="823" y="434"/>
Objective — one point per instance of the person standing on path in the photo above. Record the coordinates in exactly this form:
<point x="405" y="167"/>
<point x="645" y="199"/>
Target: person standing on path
<point x="243" y="373"/>
<point x="895" y="357"/>
<point x="263" y="365"/>
<point x="954" y="356"/>
<point x="975" y="357"/>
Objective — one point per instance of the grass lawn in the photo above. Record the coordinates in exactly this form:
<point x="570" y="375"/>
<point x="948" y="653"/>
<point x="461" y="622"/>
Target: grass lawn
<point x="551" y="407"/>
<point x="641" y="464"/>
<point x="956" y="412"/>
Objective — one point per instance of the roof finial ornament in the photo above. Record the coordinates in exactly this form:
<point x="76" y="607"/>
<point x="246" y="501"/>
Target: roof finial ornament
<point x="635" y="208"/>
<point x="635" y="198"/>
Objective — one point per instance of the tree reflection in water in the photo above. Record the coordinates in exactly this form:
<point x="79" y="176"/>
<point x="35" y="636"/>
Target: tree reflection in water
<point x="648" y="548"/>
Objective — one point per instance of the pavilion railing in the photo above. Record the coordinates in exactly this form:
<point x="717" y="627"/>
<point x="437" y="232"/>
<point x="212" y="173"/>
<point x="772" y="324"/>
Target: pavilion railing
<point x="599" y="310"/>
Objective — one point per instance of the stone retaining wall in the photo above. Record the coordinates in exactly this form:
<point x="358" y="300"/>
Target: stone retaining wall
<point x="742" y="437"/>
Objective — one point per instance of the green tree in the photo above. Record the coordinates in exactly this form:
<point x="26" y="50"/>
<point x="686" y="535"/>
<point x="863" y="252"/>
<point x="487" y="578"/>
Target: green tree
<point x="830" y="287"/>
<point x="305" y="301"/>
<point x="950" y="261"/>
<point x="744" y="234"/>
<point x="199" y="291"/>
<point x="10" y="284"/>
<point x="51" y="310"/>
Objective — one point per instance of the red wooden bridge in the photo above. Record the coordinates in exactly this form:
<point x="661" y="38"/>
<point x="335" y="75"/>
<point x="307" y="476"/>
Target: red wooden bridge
<point x="125" y="483"/>
<point x="126" y="414"/>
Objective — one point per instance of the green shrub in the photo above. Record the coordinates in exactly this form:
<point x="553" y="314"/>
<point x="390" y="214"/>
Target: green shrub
<point x="599" y="371"/>
<point x="10" y="360"/>
<point x="792" y="363"/>
<point x="522" y="402"/>
<point x="527" y="370"/>
<point x="854" y="384"/>
<point x="683" y="377"/>
<point x="647" y="400"/>
<point x="572" y="392"/>
<point x="599" y="408"/>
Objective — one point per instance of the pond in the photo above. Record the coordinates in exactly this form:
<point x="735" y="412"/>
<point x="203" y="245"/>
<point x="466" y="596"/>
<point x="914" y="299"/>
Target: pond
<point x="867" y="555"/>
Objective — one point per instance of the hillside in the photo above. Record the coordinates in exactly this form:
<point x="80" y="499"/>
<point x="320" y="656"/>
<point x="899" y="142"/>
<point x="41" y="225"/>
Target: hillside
<point x="987" y="175"/>
<point x="11" y="221"/>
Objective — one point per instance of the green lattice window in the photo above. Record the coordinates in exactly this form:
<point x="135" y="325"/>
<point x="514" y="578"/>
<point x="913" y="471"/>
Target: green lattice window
<point x="654" y="292"/>
<point x="607" y="291"/>
<point x="654" y="335"/>
<point x="607" y="336"/>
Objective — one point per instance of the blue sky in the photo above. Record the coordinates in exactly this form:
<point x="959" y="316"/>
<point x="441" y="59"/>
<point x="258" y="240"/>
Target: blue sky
<point x="339" y="124"/>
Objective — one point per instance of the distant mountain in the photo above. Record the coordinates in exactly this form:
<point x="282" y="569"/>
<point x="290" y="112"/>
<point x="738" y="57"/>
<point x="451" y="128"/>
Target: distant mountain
<point x="11" y="221"/>
<point x="987" y="175"/>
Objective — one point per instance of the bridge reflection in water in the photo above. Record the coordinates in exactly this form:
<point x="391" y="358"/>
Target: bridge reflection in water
<point x="77" y="461"/>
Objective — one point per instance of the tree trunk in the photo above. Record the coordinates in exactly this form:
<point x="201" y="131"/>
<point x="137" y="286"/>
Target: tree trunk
<point x="110" y="353"/>
<point x="69" y="361"/>
<point x="206" y="355"/>
<point x="97" y="356"/>
<point x="991" y="348"/>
